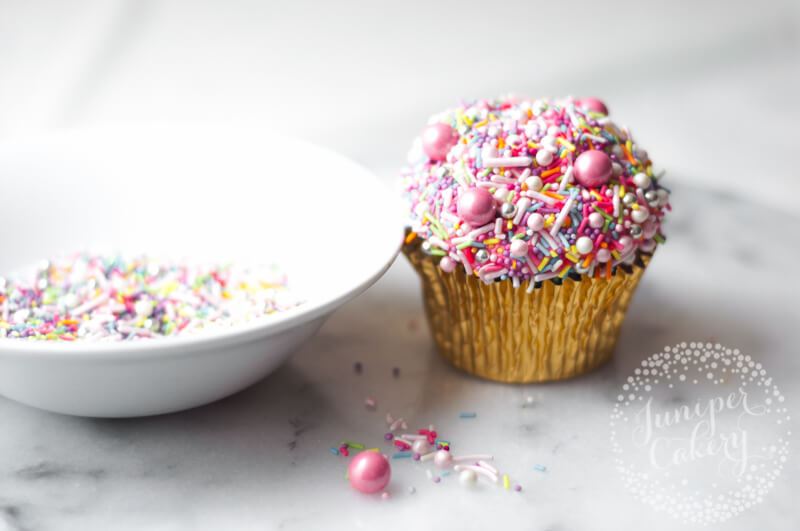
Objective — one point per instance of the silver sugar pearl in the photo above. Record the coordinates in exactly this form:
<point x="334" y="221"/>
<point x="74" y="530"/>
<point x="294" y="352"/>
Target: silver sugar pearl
<point x="426" y="247"/>
<point x="636" y="231"/>
<point x="508" y="210"/>
<point x="482" y="255"/>
<point x="629" y="199"/>
<point x="651" y="196"/>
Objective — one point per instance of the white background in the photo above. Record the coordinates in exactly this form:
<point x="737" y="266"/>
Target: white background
<point x="709" y="88"/>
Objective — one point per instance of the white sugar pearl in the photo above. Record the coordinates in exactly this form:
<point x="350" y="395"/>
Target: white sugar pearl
<point x="544" y="157"/>
<point x="603" y="256"/>
<point x="519" y="248"/>
<point x="616" y="169"/>
<point x="442" y="459"/>
<point x="468" y="477"/>
<point x="641" y="215"/>
<point x="535" y="221"/>
<point x="642" y="180"/>
<point x="143" y="308"/>
<point x="648" y="246"/>
<point x="663" y="197"/>
<point x="596" y="220"/>
<point x="627" y="243"/>
<point x="553" y="130"/>
<point x="501" y="194"/>
<point x="421" y="446"/>
<point x="534" y="183"/>
<point x="548" y="141"/>
<point x="584" y="245"/>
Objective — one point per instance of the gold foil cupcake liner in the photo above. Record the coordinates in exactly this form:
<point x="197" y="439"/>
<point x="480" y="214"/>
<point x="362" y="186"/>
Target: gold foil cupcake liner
<point x="508" y="334"/>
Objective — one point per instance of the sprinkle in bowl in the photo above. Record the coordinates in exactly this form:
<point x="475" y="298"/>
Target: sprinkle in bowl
<point x="188" y="195"/>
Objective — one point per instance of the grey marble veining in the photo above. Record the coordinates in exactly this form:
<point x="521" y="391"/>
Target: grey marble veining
<point x="260" y="459"/>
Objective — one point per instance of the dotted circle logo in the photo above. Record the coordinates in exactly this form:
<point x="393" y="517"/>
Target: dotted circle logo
<point x="701" y="432"/>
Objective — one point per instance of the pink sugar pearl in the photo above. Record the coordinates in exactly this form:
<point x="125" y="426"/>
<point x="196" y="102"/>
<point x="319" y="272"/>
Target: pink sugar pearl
<point x="369" y="471"/>
<point x="592" y="168"/>
<point x="476" y="206"/>
<point x="437" y="139"/>
<point x="593" y="104"/>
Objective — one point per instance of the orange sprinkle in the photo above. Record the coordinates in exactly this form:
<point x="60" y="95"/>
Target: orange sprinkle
<point x="411" y="237"/>
<point x="628" y="155"/>
<point x="551" y="171"/>
<point x="608" y="270"/>
<point x="554" y="195"/>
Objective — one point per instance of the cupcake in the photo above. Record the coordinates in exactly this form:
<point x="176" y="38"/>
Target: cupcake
<point x="530" y="223"/>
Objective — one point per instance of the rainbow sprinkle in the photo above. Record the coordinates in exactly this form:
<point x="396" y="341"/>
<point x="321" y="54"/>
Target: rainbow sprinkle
<point x="111" y="298"/>
<point x="547" y="225"/>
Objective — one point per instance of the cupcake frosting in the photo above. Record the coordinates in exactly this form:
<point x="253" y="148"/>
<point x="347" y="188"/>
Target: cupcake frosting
<point x="517" y="189"/>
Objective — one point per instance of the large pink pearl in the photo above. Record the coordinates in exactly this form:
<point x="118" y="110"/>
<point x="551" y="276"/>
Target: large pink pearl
<point x="369" y="471"/>
<point x="593" y="104"/>
<point x="437" y="139"/>
<point x="592" y="168"/>
<point x="476" y="206"/>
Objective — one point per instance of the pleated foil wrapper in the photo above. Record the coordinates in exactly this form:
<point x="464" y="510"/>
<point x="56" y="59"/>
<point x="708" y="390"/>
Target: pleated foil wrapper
<point x="507" y="334"/>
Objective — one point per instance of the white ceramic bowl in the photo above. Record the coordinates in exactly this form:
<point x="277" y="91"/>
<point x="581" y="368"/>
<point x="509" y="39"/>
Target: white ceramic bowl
<point x="197" y="194"/>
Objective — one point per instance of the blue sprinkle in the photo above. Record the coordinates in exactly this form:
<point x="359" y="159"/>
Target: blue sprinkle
<point x="468" y="415"/>
<point x="540" y="468"/>
<point x="401" y="455"/>
<point x="334" y="451"/>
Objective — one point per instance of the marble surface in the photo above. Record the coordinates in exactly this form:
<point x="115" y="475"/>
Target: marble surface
<point x="260" y="459"/>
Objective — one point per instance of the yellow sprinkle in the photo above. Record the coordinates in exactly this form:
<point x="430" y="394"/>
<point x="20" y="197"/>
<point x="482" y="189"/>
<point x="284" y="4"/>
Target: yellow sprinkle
<point x="226" y="294"/>
<point x="543" y="263"/>
<point x="615" y="254"/>
<point x="566" y="144"/>
<point x="596" y="195"/>
<point x="506" y="482"/>
<point x="572" y="257"/>
<point x="533" y="145"/>
<point x="481" y="123"/>
<point x="635" y="206"/>
<point x="513" y="264"/>
<point x="563" y="272"/>
<point x="491" y="241"/>
<point x="510" y="224"/>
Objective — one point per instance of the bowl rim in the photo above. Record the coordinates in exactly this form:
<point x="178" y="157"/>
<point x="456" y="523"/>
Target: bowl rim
<point x="261" y="327"/>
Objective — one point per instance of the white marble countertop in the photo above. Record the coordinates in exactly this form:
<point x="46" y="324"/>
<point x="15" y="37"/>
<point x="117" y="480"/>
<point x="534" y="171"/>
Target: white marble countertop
<point x="261" y="460"/>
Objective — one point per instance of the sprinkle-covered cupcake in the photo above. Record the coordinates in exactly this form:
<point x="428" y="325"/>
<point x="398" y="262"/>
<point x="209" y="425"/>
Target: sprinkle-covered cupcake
<point x="530" y="224"/>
